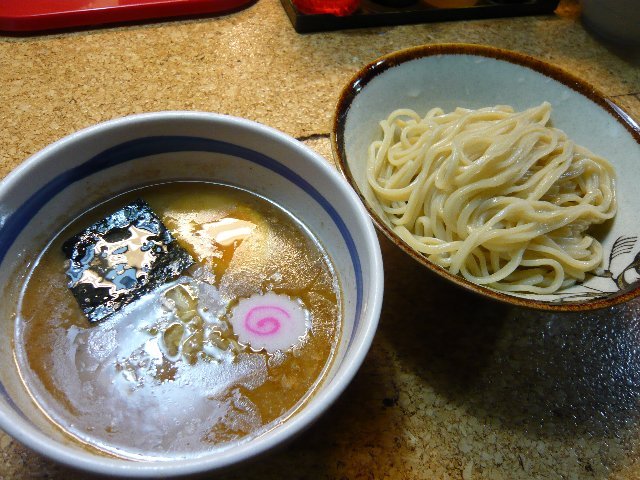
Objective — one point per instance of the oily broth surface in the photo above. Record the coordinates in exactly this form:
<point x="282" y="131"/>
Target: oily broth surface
<point x="116" y="386"/>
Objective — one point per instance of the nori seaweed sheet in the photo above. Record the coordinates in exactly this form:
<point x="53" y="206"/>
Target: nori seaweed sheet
<point x="120" y="258"/>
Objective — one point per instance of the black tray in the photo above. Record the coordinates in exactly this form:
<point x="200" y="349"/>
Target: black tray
<point x="374" y="14"/>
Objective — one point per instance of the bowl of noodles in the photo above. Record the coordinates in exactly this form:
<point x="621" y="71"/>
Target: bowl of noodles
<point x="501" y="173"/>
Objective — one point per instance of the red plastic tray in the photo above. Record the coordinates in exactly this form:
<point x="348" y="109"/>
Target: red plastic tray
<point x="37" y="15"/>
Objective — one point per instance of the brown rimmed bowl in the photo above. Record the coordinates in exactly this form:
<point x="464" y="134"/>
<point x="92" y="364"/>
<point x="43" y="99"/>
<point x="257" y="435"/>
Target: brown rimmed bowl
<point x="473" y="76"/>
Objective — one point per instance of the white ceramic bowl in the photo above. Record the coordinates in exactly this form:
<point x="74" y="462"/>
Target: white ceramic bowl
<point x="76" y="172"/>
<point x="473" y="76"/>
<point x="614" y="20"/>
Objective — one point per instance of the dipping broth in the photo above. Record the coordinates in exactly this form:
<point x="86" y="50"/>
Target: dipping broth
<point x="168" y="376"/>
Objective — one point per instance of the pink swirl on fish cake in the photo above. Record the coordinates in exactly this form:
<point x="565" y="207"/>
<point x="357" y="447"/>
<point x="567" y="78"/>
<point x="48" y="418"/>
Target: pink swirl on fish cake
<point x="257" y="321"/>
<point x="269" y="321"/>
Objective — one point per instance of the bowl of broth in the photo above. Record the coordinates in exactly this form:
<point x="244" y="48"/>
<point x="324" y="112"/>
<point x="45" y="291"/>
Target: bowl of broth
<point x="181" y="292"/>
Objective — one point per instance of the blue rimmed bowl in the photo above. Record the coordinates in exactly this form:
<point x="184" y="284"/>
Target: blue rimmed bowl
<point x="71" y="175"/>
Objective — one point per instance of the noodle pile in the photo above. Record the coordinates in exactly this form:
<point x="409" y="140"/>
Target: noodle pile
<point x="494" y="195"/>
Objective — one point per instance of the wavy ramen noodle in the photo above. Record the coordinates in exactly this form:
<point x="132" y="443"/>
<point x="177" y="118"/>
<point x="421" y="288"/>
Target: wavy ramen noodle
<point x="494" y="195"/>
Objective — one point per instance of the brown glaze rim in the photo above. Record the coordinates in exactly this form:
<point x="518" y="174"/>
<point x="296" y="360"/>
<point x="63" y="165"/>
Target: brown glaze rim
<point x="373" y="69"/>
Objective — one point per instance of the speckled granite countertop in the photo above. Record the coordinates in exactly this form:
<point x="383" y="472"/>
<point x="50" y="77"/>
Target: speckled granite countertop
<point x="458" y="388"/>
